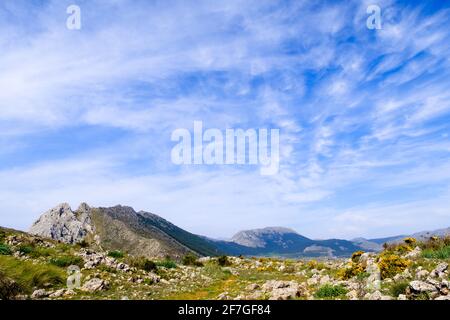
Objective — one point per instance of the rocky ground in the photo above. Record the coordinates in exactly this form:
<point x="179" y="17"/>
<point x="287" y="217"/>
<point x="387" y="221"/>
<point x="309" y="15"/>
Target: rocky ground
<point x="37" y="268"/>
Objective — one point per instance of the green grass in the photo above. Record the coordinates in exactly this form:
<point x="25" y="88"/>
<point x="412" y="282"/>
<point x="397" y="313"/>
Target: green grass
<point x="329" y="291"/>
<point x="36" y="252"/>
<point x="115" y="254"/>
<point x="66" y="261"/>
<point x="5" y="250"/>
<point x="398" y="289"/>
<point x="438" y="253"/>
<point x="26" y="249"/>
<point x="29" y="275"/>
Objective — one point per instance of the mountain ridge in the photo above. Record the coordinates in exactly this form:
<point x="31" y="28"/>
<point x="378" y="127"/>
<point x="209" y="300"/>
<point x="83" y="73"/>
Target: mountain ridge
<point x="148" y="234"/>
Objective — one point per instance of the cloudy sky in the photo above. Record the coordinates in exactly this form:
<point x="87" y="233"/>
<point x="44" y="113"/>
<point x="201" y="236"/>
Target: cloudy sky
<point x="87" y="115"/>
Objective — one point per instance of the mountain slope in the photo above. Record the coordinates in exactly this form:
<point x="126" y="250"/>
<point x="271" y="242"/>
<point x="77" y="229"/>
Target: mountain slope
<point x="120" y="228"/>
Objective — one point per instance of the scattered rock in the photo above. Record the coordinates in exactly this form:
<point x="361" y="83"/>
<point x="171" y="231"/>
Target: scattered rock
<point x="416" y="253"/>
<point x="377" y="295"/>
<point x="58" y="293"/>
<point x="422" y="274"/>
<point x="253" y="286"/>
<point x="39" y="294"/>
<point x="352" y="295"/>
<point x="95" y="284"/>
<point x="223" y="296"/>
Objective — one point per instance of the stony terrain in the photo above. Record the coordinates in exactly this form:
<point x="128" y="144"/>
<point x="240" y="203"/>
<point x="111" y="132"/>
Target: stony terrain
<point x="34" y="267"/>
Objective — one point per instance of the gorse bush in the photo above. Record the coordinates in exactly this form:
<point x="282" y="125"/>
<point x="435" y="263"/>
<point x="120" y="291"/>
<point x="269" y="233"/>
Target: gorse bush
<point x="191" y="259"/>
<point x="353" y="269"/>
<point x="391" y="264"/>
<point x="313" y="264"/>
<point x="330" y="291"/>
<point x="115" y="254"/>
<point x="5" y="249"/>
<point x="65" y="261"/>
<point x="356" y="255"/>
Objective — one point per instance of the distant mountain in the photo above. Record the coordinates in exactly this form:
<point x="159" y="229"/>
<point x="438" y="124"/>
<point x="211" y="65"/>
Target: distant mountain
<point x="278" y="241"/>
<point x="377" y="243"/>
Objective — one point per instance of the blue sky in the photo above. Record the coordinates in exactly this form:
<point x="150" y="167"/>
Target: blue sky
<point x="363" y="114"/>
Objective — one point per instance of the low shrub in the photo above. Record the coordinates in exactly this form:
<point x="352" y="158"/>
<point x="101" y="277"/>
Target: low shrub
<point x="410" y="241"/>
<point x="26" y="249"/>
<point x="398" y="288"/>
<point x="314" y="264"/>
<point x="5" y="250"/>
<point x="168" y="264"/>
<point x="330" y="291"/>
<point x="8" y="288"/>
<point x="356" y="255"/>
<point x="83" y="244"/>
<point x="191" y="260"/>
<point x="115" y="254"/>
<point x="65" y="261"/>
<point x="149" y="265"/>
<point x="391" y="264"/>
<point x="353" y="269"/>
<point x="142" y="263"/>
<point x="223" y="261"/>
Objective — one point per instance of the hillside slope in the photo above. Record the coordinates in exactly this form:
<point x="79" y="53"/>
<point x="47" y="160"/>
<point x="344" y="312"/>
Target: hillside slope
<point x="120" y="228"/>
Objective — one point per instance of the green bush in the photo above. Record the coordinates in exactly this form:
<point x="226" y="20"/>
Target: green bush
<point x="8" y="288"/>
<point x="66" y="261"/>
<point x="330" y="291"/>
<point x="83" y="244"/>
<point x="191" y="260"/>
<point x="169" y="264"/>
<point x="5" y="249"/>
<point x="398" y="289"/>
<point x="149" y="265"/>
<point x="142" y="263"/>
<point x="26" y="249"/>
<point x="223" y="261"/>
<point x="115" y="254"/>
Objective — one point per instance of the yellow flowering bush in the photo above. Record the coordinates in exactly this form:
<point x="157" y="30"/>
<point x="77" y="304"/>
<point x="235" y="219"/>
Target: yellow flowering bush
<point x="391" y="264"/>
<point x="353" y="269"/>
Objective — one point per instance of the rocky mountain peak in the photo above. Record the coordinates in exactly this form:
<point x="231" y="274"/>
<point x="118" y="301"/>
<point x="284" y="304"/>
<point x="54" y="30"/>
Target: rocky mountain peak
<point x="259" y="238"/>
<point x="62" y="224"/>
